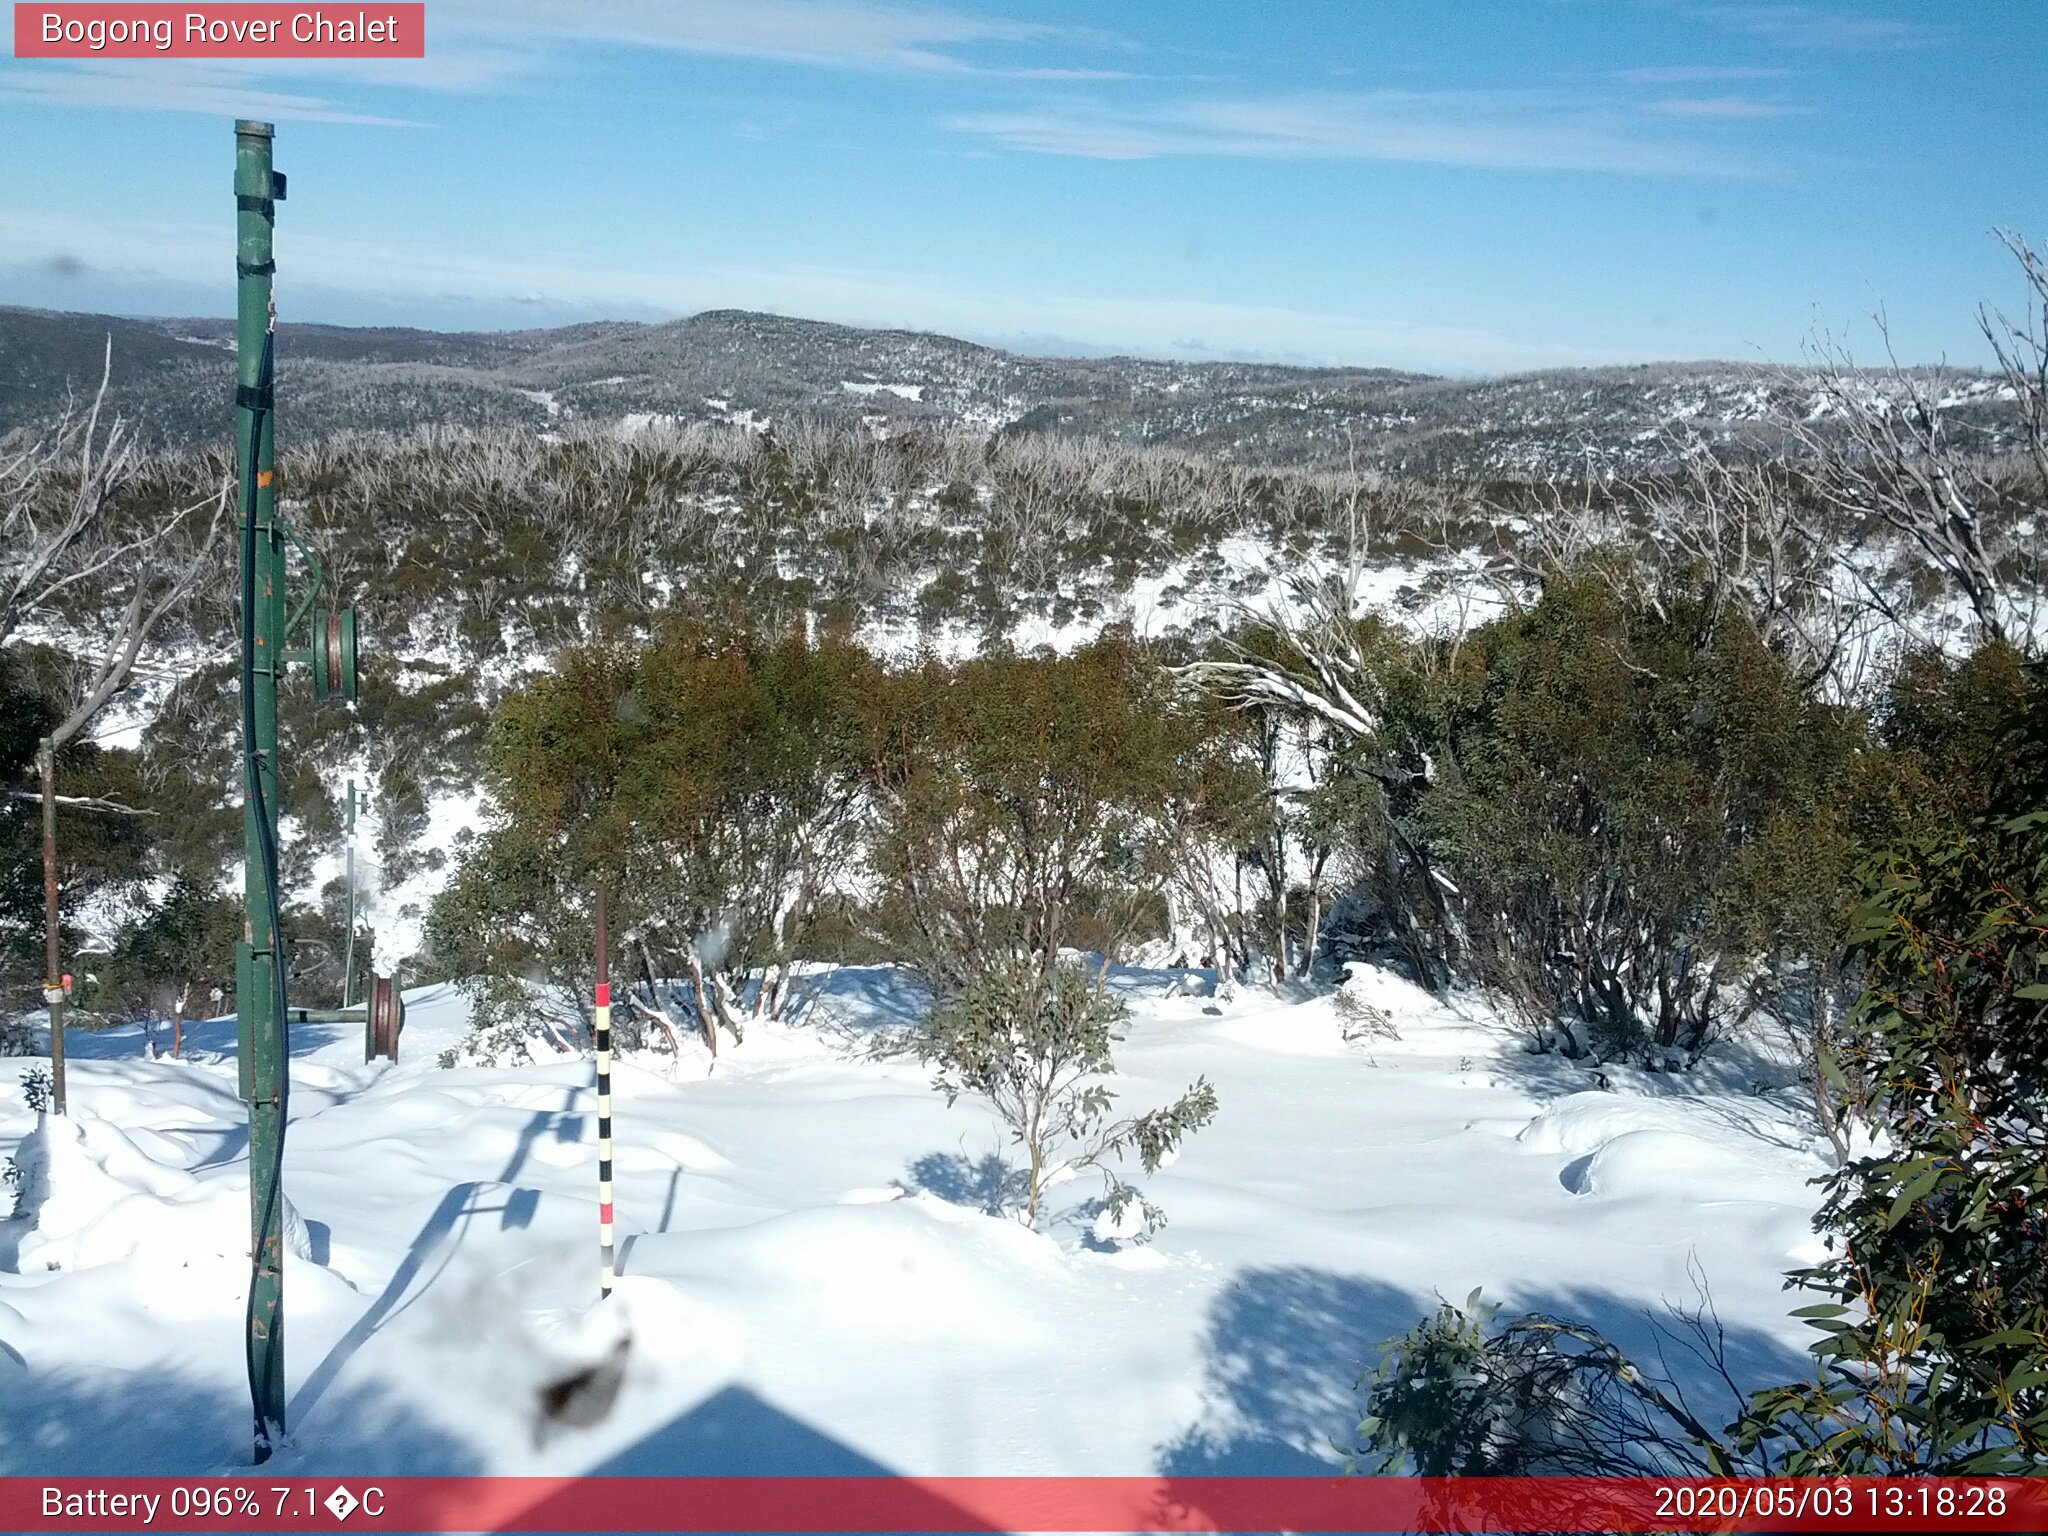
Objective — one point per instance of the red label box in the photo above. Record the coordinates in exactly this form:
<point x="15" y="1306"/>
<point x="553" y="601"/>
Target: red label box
<point x="348" y="31"/>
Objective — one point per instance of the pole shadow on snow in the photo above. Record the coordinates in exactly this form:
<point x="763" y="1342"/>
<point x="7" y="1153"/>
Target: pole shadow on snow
<point x="668" y="1212"/>
<point x="668" y="1201"/>
<point x="565" y="1123"/>
<point x="232" y="1145"/>
<point x="437" y="1239"/>
<point x="136" y="1423"/>
<point x="436" y="1242"/>
<point x="1287" y="1349"/>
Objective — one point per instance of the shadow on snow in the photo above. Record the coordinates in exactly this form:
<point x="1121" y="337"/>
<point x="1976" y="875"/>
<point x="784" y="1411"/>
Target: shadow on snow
<point x="1287" y="1349"/>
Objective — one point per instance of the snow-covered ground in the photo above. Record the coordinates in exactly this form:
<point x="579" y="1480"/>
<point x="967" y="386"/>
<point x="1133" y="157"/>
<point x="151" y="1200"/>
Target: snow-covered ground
<point x="812" y="1280"/>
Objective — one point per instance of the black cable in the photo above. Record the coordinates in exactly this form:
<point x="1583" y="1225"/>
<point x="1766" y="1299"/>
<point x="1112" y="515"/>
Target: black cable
<point x="252" y="767"/>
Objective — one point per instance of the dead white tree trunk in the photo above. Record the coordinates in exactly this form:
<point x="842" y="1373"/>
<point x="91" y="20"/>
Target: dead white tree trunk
<point x="58" y="545"/>
<point x="1888" y="449"/>
<point x="2021" y="347"/>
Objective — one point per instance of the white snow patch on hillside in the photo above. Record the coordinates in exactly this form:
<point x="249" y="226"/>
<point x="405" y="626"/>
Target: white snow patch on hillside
<point x="900" y="391"/>
<point x="633" y="423"/>
<point x="901" y="640"/>
<point x="398" y="913"/>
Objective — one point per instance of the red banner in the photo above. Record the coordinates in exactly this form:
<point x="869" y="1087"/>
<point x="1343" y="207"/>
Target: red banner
<point x="261" y="1502"/>
<point x="359" y="31"/>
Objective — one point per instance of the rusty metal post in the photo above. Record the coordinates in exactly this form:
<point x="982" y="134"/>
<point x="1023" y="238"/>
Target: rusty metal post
<point x="53" y="984"/>
<point x="602" y="1030"/>
<point x="348" y="957"/>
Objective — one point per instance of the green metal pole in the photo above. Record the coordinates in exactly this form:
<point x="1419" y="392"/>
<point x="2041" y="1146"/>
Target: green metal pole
<point x="259" y="1001"/>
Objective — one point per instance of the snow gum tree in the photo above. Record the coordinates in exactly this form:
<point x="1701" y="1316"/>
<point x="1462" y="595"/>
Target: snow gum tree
<point x="709" y="781"/>
<point x="1220" y="814"/>
<point x="1317" y="686"/>
<point x="108" y="854"/>
<point x="739" y="787"/>
<point x="1934" y="1347"/>
<point x="1615" y="788"/>
<point x="174" y="962"/>
<point x="1931" y="1353"/>
<point x="1025" y="805"/>
<point x="94" y="575"/>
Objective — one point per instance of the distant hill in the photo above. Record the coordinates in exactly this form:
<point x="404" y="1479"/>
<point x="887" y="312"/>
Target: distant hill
<point x="173" y="377"/>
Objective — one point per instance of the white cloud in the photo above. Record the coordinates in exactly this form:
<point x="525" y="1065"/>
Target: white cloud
<point x="1537" y="130"/>
<point x="1075" y="74"/>
<point x="1735" y="107"/>
<point x="474" y="46"/>
<point x="1686" y="74"/>
<point x="177" y="86"/>
<point x="1817" y="27"/>
<point x="569" y="282"/>
<point x="843" y="33"/>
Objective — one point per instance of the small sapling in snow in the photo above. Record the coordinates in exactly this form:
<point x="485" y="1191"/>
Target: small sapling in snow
<point x="1035" y="1043"/>
<point x="1358" y="1020"/>
<point x="36" y="1089"/>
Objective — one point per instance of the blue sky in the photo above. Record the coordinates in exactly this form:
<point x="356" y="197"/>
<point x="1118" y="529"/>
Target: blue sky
<point x="1460" y="187"/>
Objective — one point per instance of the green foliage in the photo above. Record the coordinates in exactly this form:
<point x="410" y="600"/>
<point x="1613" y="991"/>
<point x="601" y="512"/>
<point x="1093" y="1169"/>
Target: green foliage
<point x="707" y="781"/>
<point x="1632" y="800"/>
<point x="24" y="715"/>
<point x="1028" y="805"/>
<point x="1035" y="1042"/>
<point x="1934" y="1355"/>
<point x="175" y="959"/>
<point x="36" y="1089"/>
<point x="1363" y="808"/>
<point x="103" y="853"/>
<point x="170" y="959"/>
<point x="1943" y="723"/>
<point x="317" y="941"/>
<point x="1429" y="1409"/>
<point x="1462" y="1394"/>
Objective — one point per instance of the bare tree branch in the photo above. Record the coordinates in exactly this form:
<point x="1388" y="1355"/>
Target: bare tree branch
<point x="83" y="802"/>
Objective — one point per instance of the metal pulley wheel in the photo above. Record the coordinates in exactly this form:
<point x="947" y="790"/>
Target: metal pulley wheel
<point x="334" y="654"/>
<point x="385" y="1020"/>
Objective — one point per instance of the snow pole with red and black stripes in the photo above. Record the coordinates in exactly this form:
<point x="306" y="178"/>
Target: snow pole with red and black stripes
<point x="603" y="1031"/>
